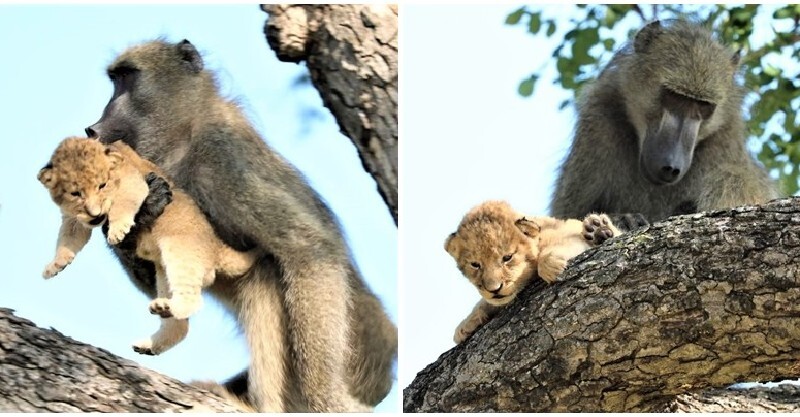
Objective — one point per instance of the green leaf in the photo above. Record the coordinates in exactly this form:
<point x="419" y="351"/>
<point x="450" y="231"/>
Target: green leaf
<point x="783" y="13"/>
<point x="515" y="16"/>
<point x="772" y="71"/>
<point x="551" y="28"/>
<point x="608" y="44"/>
<point x="535" y="23"/>
<point x="526" y="87"/>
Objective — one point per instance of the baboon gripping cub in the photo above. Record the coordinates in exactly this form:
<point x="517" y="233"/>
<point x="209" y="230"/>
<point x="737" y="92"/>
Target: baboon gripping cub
<point x="95" y="184"/>
<point x="660" y="132"/>
<point x="319" y="339"/>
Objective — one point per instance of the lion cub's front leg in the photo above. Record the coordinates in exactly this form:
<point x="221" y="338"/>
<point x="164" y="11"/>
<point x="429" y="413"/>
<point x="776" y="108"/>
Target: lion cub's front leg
<point x="133" y="190"/>
<point x="480" y="314"/>
<point x="72" y="237"/>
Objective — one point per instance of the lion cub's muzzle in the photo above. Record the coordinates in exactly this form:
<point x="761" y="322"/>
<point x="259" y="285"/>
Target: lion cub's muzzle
<point x="98" y="220"/>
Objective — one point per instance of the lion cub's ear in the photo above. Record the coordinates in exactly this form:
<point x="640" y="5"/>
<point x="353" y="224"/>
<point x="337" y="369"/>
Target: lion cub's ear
<point x="115" y="157"/>
<point x="528" y="227"/>
<point x="451" y="245"/>
<point x="46" y="175"/>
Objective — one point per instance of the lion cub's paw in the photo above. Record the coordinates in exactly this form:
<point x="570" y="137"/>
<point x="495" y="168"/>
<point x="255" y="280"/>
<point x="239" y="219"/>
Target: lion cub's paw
<point x="178" y="308"/>
<point x="551" y="266"/>
<point x="469" y="326"/>
<point x="597" y="228"/>
<point x="118" y="230"/>
<point x="145" y="347"/>
<point x="57" y="265"/>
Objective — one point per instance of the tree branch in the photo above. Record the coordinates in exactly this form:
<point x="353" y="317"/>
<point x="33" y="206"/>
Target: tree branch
<point x="694" y="302"/>
<point x="44" y="371"/>
<point x="351" y="53"/>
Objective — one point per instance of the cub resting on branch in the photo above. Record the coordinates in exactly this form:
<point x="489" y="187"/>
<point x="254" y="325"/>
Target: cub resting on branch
<point x="500" y="250"/>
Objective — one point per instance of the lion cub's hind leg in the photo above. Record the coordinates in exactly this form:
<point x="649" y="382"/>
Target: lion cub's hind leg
<point x="186" y="268"/>
<point x="597" y="228"/>
<point x="557" y="246"/>
<point x="172" y="330"/>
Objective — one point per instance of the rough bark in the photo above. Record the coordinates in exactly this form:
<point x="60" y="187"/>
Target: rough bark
<point x="44" y="371"/>
<point x="351" y="54"/>
<point x="692" y="303"/>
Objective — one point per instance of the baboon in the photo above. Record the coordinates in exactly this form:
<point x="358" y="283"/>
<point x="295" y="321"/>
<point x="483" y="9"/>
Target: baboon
<point x="319" y="339"/>
<point x="660" y="132"/>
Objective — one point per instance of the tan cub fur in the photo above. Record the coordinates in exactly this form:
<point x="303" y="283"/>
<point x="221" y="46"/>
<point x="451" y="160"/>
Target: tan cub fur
<point x="93" y="183"/>
<point x="499" y="251"/>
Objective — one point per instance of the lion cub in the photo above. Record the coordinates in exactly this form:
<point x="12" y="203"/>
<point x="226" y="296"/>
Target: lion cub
<point x="500" y="250"/>
<point x="92" y="184"/>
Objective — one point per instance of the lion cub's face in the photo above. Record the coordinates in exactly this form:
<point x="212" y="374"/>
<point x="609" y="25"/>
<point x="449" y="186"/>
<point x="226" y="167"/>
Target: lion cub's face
<point x="80" y="178"/>
<point x="496" y="249"/>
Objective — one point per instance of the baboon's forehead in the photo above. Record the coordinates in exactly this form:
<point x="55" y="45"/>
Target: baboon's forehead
<point x="693" y="63"/>
<point x="145" y="55"/>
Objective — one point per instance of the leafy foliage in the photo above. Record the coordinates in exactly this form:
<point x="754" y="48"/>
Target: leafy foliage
<point x="770" y="61"/>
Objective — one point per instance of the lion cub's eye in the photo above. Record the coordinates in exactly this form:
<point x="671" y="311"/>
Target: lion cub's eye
<point x="75" y="193"/>
<point x="476" y="265"/>
<point x="101" y="186"/>
<point x="507" y="257"/>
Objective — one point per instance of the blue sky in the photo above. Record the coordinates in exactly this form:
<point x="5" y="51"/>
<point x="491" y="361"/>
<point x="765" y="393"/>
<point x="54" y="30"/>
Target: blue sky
<point x="53" y="84"/>
<point x="466" y="137"/>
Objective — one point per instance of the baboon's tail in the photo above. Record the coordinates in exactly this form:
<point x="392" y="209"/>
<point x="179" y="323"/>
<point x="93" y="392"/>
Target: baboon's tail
<point x="262" y="317"/>
<point x="375" y="349"/>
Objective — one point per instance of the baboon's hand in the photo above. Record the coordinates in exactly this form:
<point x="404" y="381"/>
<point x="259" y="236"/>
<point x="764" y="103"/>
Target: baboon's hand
<point x="160" y="195"/>
<point x="626" y="222"/>
<point x="597" y="229"/>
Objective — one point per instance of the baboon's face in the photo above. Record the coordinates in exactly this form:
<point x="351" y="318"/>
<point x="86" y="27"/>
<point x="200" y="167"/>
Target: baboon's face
<point x="679" y="85"/>
<point x="668" y="145"/>
<point x="498" y="259"/>
<point x="154" y="83"/>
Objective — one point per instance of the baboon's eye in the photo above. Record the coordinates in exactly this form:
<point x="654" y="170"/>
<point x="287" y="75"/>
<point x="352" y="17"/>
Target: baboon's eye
<point x="75" y="193"/>
<point x="101" y="186"/>
<point x="507" y="257"/>
<point x="475" y="265"/>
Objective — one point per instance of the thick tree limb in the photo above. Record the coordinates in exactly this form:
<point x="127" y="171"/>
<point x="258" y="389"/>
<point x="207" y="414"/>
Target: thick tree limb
<point x="44" y="371"/>
<point x="700" y="301"/>
<point x="351" y="53"/>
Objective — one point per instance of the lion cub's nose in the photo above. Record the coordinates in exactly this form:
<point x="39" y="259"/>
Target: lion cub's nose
<point x="493" y="290"/>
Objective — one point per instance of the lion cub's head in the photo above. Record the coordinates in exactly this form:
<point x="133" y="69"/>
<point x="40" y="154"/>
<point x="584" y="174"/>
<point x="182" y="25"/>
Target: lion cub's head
<point x="80" y="178"/>
<point x="496" y="249"/>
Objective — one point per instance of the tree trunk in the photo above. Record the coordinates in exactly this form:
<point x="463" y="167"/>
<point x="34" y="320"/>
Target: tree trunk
<point x="351" y="54"/>
<point x="44" y="371"/>
<point x="695" y="302"/>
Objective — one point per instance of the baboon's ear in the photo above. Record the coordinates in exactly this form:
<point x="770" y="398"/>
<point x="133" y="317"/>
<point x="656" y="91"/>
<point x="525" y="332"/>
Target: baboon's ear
<point x="451" y="245"/>
<point x="114" y="157"/>
<point x="646" y="35"/>
<point x="529" y="227"/>
<point x="190" y="57"/>
<point x="46" y="175"/>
